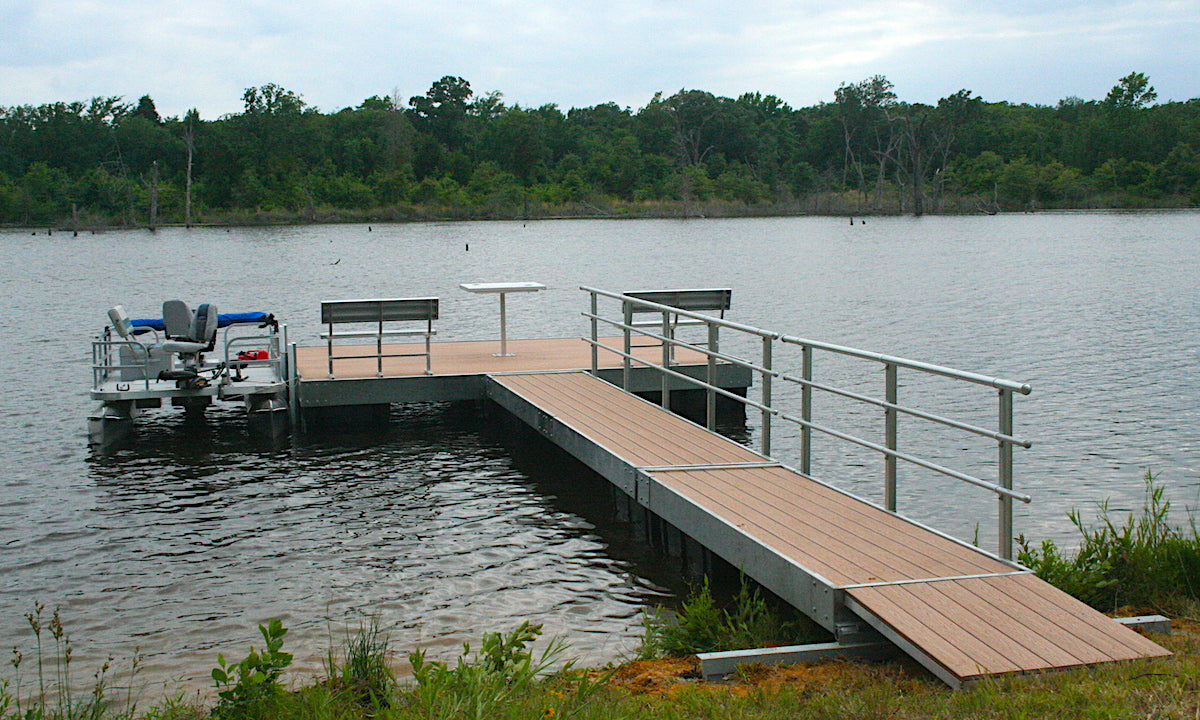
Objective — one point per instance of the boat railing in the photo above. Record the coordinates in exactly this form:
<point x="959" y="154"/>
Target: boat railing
<point x="274" y="341"/>
<point x="106" y="360"/>
<point x="761" y="346"/>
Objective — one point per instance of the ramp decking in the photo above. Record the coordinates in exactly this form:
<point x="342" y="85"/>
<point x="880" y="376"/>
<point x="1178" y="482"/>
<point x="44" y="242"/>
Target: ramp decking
<point x="964" y="614"/>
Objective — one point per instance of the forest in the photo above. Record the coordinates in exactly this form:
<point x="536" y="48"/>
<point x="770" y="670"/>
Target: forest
<point x="455" y="154"/>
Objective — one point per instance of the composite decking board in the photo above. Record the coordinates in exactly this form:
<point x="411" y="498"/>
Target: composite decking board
<point x="836" y="552"/>
<point x="671" y="429"/>
<point x="473" y="357"/>
<point x="889" y="559"/>
<point x="1128" y="642"/>
<point x="880" y="526"/>
<point x="1002" y="622"/>
<point x="927" y="630"/>
<point x="996" y="611"/>
<point x="604" y="412"/>
<point x="836" y="561"/>
<point x="611" y="427"/>
<point x="1017" y="649"/>
<point x="895" y="549"/>
<point x="639" y="441"/>
<point x="631" y="428"/>
<point x="621" y="429"/>
<point x="1119" y="643"/>
<point x="876" y="522"/>
<point x="617" y="432"/>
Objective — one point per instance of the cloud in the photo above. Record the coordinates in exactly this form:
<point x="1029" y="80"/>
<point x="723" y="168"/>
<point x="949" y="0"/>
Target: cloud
<point x="206" y="52"/>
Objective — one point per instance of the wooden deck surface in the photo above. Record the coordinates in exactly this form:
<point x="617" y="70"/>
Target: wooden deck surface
<point x="968" y="613"/>
<point x="844" y="540"/>
<point x="641" y="433"/>
<point x="472" y="358"/>
<point x="975" y="627"/>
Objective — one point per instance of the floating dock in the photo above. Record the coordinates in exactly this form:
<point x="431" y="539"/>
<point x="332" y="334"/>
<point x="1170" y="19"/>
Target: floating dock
<point x="866" y="574"/>
<point x="850" y="565"/>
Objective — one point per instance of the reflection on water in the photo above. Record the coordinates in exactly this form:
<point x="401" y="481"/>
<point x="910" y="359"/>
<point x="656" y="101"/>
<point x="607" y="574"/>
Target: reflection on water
<point x="439" y="522"/>
<point x="447" y="522"/>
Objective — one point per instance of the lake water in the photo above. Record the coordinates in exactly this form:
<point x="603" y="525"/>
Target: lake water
<point x="444" y="525"/>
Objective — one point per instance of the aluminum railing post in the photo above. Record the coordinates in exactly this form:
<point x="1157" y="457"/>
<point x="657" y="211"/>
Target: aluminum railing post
<point x="710" y="399"/>
<point x="595" y="335"/>
<point x="627" y="369"/>
<point x="806" y="372"/>
<point x="890" y="438"/>
<point x="1006" y="474"/>
<point x="667" y="349"/>
<point x="766" y="394"/>
<point x="293" y="388"/>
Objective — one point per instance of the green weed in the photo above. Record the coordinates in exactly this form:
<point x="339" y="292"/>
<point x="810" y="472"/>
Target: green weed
<point x="248" y="687"/>
<point x="702" y="626"/>
<point x="496" y="681"/>
<point x="1143" y="562"/>
<point x="56" y="696"/>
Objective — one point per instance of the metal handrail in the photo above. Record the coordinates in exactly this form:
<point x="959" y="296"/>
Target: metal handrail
<point x="1003" y="436"/>
<point x="707" y="319"/>
<point x="999" y="383"/>
<point x="102" y="359"/>
<point x="274" y="359"/>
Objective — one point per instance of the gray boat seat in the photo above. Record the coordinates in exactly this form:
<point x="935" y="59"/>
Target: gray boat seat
<point x="204" y="325"/>
<point x="177" y="320"/>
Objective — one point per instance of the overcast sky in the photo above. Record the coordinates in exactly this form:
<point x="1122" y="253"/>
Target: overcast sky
<point x="335" y="53"/>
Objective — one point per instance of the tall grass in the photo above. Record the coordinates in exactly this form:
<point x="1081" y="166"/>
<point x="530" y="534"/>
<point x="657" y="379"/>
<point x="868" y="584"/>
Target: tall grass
<point x="52" y="692"/>
<point x="1141" y="562"/>
<point x="701" y="625"/>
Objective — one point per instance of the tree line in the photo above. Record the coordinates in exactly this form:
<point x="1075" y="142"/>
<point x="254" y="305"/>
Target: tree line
<point x="452" y="153"/>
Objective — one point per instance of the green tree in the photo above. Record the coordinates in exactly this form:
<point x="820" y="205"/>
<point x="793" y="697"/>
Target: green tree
<point x="442" y="110"/>
<point x="1132" y="92"/>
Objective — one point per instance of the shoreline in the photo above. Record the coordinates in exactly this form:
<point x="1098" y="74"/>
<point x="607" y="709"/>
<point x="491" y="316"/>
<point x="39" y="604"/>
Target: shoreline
<point x="287" y="219"/>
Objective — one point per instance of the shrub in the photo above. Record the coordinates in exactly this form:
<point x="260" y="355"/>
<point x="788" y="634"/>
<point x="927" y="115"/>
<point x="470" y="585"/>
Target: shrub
<point x="1143" y="562"/>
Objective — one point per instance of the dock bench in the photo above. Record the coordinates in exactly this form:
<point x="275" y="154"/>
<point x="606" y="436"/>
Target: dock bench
<point x="375" y="313"/>
<point x="695" y="300"/>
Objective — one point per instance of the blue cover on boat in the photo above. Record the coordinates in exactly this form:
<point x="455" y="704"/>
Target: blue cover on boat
<point x="145" y="325"/>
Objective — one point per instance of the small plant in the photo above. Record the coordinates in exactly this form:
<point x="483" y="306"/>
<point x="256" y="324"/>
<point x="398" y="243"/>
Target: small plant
<point x="248" y="687"/>
<point x="702" y="626"/>
<point x="365" y="675"/>
<point x="502" y="673"/>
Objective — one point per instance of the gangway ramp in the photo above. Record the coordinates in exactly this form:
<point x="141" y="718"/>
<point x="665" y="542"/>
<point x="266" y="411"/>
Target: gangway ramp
<point x="962" y="613"/>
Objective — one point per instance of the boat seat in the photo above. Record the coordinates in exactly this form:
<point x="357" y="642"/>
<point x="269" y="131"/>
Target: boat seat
<point x="177" y="320"/>
<point x="189" y="332"/>
<point x="204" y="325"/>
<point x="121" y="322"/>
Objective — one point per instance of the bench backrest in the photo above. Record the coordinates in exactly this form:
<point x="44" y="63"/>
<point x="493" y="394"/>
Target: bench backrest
<point x="385" y="310"/>
<point x="695" y="300"/>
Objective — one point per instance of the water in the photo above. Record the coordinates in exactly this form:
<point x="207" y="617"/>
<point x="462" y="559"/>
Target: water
<point x="445" y="525"/>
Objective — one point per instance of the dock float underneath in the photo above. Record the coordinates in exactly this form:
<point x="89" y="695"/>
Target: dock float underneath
<point x="962" y="613"/>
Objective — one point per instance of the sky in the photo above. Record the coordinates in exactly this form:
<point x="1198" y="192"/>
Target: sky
<point x="203" y="54"/>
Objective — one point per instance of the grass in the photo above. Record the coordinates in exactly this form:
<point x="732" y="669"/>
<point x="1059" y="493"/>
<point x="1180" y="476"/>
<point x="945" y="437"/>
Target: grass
<point x="1140" y="560"/>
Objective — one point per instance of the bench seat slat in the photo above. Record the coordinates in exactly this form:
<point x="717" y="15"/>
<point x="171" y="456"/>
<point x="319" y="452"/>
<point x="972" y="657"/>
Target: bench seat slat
<point x="376" y="333"/>
<point x="698" y="299"/>
<point x="378" y="311"/>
